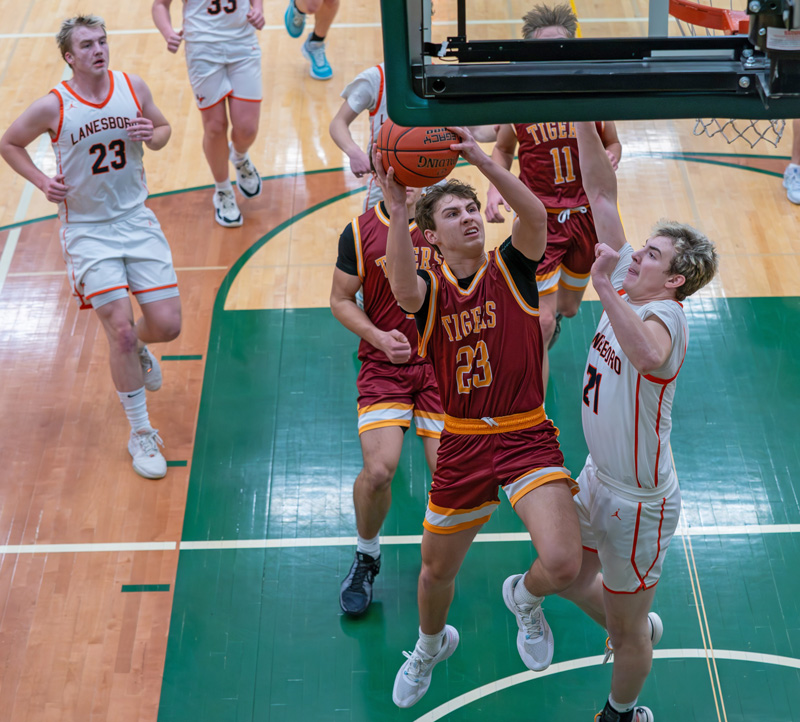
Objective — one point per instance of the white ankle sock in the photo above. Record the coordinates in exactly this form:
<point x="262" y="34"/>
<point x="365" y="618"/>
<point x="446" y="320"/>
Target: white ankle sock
<point x="224" y="186"/>
<point x="370" y="546"/>
<point x="523" y="597"/>
<point x="620" y="707"/>
<point x="431" y="643"/>
<point x="236" y="156"/>
<point x="135" y="405"/>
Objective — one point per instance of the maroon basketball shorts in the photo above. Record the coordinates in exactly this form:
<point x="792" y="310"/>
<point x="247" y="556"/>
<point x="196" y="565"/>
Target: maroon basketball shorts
<point x="472" y="467"/>
<point x="390" y="395"/>
<point x="569" y="255"/>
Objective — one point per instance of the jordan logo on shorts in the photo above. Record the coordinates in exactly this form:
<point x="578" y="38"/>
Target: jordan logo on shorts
<point x="200" y="98"/>
<point x="616" y="514"/>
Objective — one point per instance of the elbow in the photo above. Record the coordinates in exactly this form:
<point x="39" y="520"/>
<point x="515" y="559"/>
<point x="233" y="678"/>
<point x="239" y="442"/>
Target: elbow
<point x="648" y="363"/>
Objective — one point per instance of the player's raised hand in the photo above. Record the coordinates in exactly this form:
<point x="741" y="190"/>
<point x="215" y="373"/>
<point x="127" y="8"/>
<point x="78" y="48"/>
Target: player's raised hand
<point x="395" y="345"/>
<point x="55" y="189"/>
<point x="141" y="128"/>
<point x="605" y="261"/>
<point x="468" y="147"/>
<point x="393" y="192"/>
<point x="174" y="40"/>
<point x="493" y="202"/>
<point x="255" y="18"/>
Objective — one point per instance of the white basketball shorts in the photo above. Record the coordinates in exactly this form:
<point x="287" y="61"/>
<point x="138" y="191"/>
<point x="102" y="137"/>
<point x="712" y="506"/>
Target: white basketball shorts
<point x="630" y="531"/>
<point x="104" y="260"/>
<point x="221" y="70"/>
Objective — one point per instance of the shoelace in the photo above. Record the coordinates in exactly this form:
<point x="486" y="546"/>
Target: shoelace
<point x="227" y="202"/>
<point x="416" y="666"/>
<point x="362" y="570"/>
<point x="317" y="51"/>
<point x="149" y="442"/>
<point x="532" y="622"/>
<point x="246" y="169"/>
<point x="297" y="18"/>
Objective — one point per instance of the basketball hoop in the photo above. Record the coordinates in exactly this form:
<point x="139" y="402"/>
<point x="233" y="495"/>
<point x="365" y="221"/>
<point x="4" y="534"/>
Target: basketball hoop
<point x="696" y="19"/>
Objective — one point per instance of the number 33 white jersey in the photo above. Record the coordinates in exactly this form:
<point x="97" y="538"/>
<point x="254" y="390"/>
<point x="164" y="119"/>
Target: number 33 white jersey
<point x="102" y="166"/>
<point x="627" y="416"/>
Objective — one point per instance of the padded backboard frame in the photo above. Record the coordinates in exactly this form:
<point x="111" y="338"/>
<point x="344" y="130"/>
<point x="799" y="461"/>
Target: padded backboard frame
<point x="579" y="79"/>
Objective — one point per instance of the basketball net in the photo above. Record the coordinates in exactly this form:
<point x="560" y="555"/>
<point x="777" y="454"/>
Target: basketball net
<point x="704" y="19"/>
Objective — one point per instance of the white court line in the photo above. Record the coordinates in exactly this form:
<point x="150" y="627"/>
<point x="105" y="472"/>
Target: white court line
<point x="346" y="26"/>
<point x="88" y="547"/>
<point x="300" y="542"/>
<point x="515" y="679"/>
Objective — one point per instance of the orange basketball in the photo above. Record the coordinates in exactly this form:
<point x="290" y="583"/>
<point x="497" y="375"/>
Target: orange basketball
<point x="420" y="156"/>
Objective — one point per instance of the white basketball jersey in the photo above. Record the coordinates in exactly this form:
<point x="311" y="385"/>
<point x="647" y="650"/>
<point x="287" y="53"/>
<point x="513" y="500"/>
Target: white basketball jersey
<point x="367" y="91"/>
<point x="211" y="21"/>
<point x="102" y="166"/>
<point x="627" y="416"/>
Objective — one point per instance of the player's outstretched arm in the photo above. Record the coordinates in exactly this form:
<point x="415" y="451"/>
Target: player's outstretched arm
<point x="529" y="234"/>
<point x="345" y="310"/>
<point x="611" y="143"/>
<point x="163" y="22"/>
<point x="42" y="116"/>
<point x="401" y="266"/>
<point x="151" y="128"/>
<point x="600" y="184"/>
<point x="503" y="155"/>
<point x="647" y="344"/>
<point x="340" y="132"/>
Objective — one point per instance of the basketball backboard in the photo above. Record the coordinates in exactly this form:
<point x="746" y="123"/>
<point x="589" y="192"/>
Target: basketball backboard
<point x="440" y="75"/>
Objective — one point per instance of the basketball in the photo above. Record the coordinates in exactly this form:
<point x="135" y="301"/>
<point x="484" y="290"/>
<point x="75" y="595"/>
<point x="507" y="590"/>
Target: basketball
<point x="420" y="156"/>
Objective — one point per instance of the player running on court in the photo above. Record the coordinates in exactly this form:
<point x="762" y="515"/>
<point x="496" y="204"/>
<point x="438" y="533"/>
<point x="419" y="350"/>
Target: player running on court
<point x="394" y="383"/>
<point x="629" y="500"/>
<point x="224" y="61"/>
<point x="548" y="165"/>
<point x="98" y="121"/>
<point x="477" y="317"/>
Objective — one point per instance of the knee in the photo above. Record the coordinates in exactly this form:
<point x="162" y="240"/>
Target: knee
<point x="569" y="311"/>
<point x="309" y="7"/>
<point x="433" y="575"/>
<point x="246" y="130"/>
<point x="377" y="474"/>
<point x="562" y="568"/>
<point x="123" y="336"/>
<point x="169" y="327"/>
<point x="215" y="128"/>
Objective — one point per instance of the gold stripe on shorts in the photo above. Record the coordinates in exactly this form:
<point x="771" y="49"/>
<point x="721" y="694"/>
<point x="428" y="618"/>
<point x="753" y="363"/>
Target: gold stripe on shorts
<point x="495" y="424"/>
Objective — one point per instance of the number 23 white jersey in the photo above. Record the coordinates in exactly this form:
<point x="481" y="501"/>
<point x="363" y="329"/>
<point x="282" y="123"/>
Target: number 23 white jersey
<point x="102" y="166"/>
<point x="627" y="416"/>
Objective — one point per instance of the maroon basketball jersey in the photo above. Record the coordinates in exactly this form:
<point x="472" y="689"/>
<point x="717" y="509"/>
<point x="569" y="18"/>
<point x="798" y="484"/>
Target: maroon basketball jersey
<point x="370" y="231"/>
<point x="548" y="163"/>
<point x="484" y="342"/>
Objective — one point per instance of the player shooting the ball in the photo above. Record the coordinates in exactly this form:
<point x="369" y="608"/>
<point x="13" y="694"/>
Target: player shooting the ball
<point x="478" y="322"/>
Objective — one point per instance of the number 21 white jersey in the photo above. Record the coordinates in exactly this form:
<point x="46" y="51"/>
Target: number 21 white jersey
<point x="627" y="416"/>
<point x="102" y="166"/>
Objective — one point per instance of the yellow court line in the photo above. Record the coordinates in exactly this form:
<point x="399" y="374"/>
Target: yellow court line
<point x="702" y="617"/>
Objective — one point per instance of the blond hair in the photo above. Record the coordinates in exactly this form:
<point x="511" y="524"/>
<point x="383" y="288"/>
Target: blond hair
<point x="64" y="36"/>
<point x="695" y="257"/>
<point x="543" y="16"/>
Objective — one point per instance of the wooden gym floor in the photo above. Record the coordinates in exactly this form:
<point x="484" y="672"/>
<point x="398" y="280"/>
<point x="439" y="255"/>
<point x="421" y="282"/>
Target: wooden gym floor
<point x="211" y="594"/>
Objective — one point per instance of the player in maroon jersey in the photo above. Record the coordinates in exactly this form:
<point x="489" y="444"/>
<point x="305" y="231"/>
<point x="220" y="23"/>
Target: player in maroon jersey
<point x="478" y="322"/>
<point x="548" y="161"/>
<point x="394" y="382"/>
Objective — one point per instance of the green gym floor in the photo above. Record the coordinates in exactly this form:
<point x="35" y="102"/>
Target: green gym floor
<point x="256" y="630"/>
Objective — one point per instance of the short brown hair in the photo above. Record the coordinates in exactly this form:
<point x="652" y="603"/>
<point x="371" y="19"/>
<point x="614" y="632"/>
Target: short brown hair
<point x="695" y="257"/>
<point x="427" y="205"/>
<point x="64" y="36"/>
<point x="543" y="16"/>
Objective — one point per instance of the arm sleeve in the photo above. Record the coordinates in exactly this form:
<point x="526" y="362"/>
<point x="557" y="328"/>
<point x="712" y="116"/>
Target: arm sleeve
<point x="672" y="316"/>
<point x="621" y="270"/>
<point x="523" y="271"/>
<point x="346" y="260"/>
<point x="362" y="92"/>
